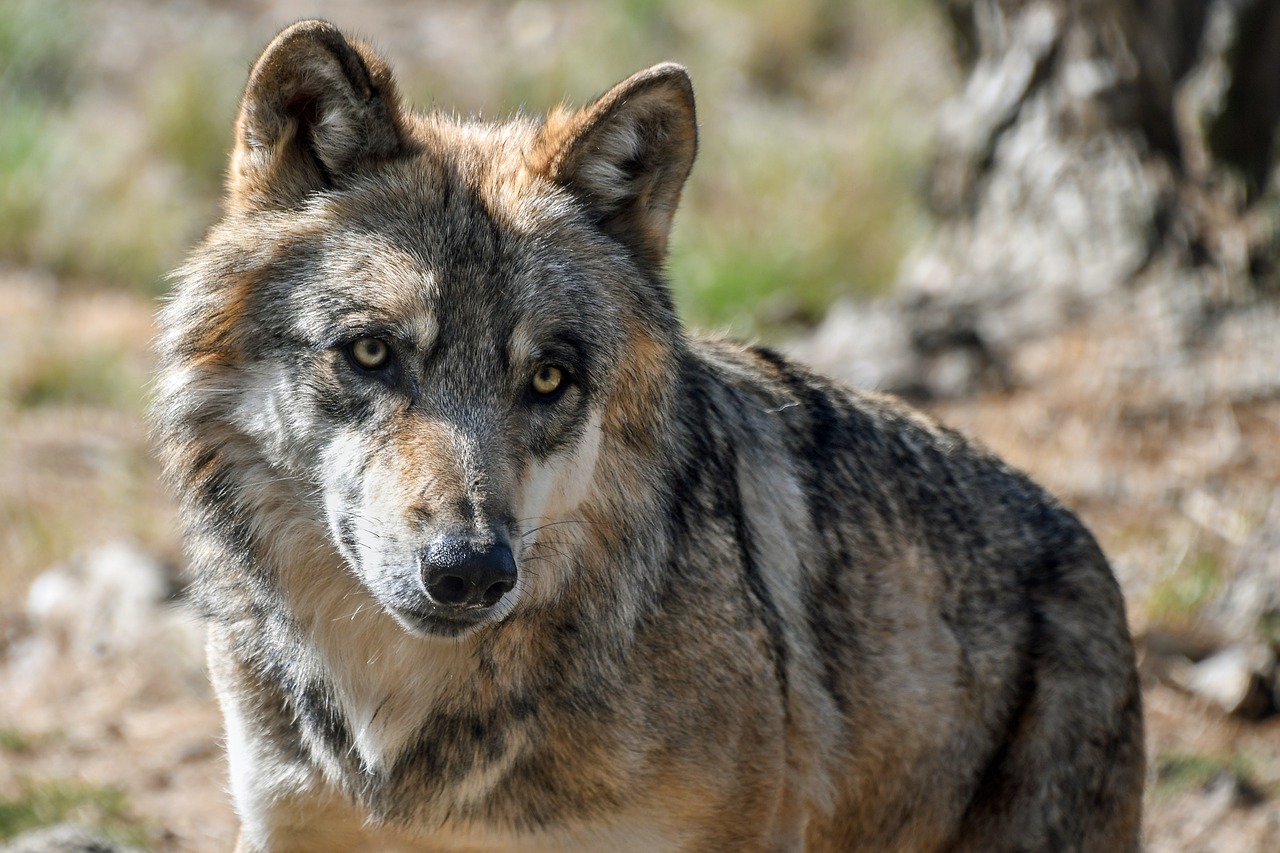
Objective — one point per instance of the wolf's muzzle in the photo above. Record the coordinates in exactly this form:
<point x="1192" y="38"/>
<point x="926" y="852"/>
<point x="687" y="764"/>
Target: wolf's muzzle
<point x="457" y="575"/>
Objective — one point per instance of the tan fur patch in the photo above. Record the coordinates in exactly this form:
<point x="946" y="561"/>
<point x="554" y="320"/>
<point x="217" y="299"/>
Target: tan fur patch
<point x="426" y="483"/>
<point x="216" y="341"/>
<point x="643" y="378"/>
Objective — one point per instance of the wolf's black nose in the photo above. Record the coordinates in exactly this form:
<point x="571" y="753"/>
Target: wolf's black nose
<point x="456" y="574"/>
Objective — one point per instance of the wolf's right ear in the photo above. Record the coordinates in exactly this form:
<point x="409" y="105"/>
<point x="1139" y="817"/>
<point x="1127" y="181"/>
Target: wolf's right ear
<point x="315" y="108"/>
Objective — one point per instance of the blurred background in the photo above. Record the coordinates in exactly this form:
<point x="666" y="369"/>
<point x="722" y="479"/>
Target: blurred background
<point x="1051" y="222"/>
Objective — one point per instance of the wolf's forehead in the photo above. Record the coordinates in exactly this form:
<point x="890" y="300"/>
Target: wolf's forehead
<point x="437" y="248"/>
<point x="377" y="282"/>
<point x="446" y="221"/>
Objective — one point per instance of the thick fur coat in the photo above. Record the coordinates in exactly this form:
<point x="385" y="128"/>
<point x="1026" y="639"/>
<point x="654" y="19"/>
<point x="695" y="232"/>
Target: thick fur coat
<point x="496" y="556"/>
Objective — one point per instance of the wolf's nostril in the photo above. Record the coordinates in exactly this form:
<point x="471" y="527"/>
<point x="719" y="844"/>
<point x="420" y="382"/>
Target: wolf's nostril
<point x="457" y="574"/>
<point x="494" y="593"/>
<point x="449" y="589"/>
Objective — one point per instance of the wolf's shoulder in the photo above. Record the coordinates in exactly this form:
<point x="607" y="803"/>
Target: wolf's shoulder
<point x="879" y="452"/>
<point x="755" y="374"/>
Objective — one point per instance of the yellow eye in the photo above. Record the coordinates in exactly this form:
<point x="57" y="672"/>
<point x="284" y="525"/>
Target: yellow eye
<point x="547" y="380"/>
<point x="370" y="353"/>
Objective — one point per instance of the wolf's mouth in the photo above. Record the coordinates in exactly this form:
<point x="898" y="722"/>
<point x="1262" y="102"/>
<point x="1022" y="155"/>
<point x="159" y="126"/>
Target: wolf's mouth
<point x="438" y="622"/>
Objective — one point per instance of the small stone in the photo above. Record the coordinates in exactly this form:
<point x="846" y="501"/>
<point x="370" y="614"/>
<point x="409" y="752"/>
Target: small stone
<point x="1232" y="679"/>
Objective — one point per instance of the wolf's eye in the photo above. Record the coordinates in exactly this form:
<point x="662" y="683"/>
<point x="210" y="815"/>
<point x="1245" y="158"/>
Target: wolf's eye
<point x="547" y="381"/>
<point x="370" y="353"/>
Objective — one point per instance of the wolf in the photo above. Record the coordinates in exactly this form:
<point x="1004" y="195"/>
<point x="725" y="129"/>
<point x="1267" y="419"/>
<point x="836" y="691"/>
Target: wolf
<point x="495" y="555"/>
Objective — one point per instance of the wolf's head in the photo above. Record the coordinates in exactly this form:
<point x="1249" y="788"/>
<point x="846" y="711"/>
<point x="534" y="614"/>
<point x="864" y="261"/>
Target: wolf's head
<point x="421" y="334"/>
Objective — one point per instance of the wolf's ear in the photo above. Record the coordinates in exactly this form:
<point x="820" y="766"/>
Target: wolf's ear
<point x="627" y="156"/>
<point x="315" y="108"/>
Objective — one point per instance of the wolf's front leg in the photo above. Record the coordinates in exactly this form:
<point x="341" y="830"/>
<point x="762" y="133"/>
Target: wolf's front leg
<point x="283" y="802"/>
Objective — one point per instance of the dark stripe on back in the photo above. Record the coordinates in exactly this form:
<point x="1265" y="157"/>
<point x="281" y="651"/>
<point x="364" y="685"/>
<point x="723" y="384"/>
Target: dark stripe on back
<point x="706" y="490"/>
<point x="765" y="608"/>
<point x="818" y="440"/>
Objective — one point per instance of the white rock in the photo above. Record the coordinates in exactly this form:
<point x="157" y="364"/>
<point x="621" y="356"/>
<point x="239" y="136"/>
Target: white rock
<point x="1233" y="680"/>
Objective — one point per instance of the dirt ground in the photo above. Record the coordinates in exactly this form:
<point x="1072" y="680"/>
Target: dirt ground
<point x="105" y="715"/>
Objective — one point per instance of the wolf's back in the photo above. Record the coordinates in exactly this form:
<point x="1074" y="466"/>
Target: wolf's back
<point x="959" y="633"/>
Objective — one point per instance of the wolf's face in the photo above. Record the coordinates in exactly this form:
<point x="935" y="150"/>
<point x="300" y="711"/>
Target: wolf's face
<point x="431" y="321"/>
<point x="438" y="370"/>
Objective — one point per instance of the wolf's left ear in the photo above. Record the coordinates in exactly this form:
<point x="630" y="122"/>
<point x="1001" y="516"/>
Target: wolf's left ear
<point x="315" y="108"/>
<point x="627" y="156"/>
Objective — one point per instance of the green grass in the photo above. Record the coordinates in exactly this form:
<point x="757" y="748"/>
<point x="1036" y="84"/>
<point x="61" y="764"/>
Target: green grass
<point x="15" y="742"/>
<point x="22" y="164"/>
<point x="40" y="41"/>
<point x="759" y="273"/>
<point x="50" y="802"/>
<point x="87" y="196"/>
<point x="190" y="109"/>
<point x="1179" y="772"/>
<point x="101" y="377"/>
<point x="1179" y="596"/>
<point x="38" y="45"/>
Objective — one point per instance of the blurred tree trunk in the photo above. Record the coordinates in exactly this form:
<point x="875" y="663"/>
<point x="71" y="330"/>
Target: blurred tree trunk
<point x="1098" y="149"/>
<point x="1190" y="88"/>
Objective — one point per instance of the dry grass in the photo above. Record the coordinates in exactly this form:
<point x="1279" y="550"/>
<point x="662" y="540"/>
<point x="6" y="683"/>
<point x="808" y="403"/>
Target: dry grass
<point x="73" y="449"/>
